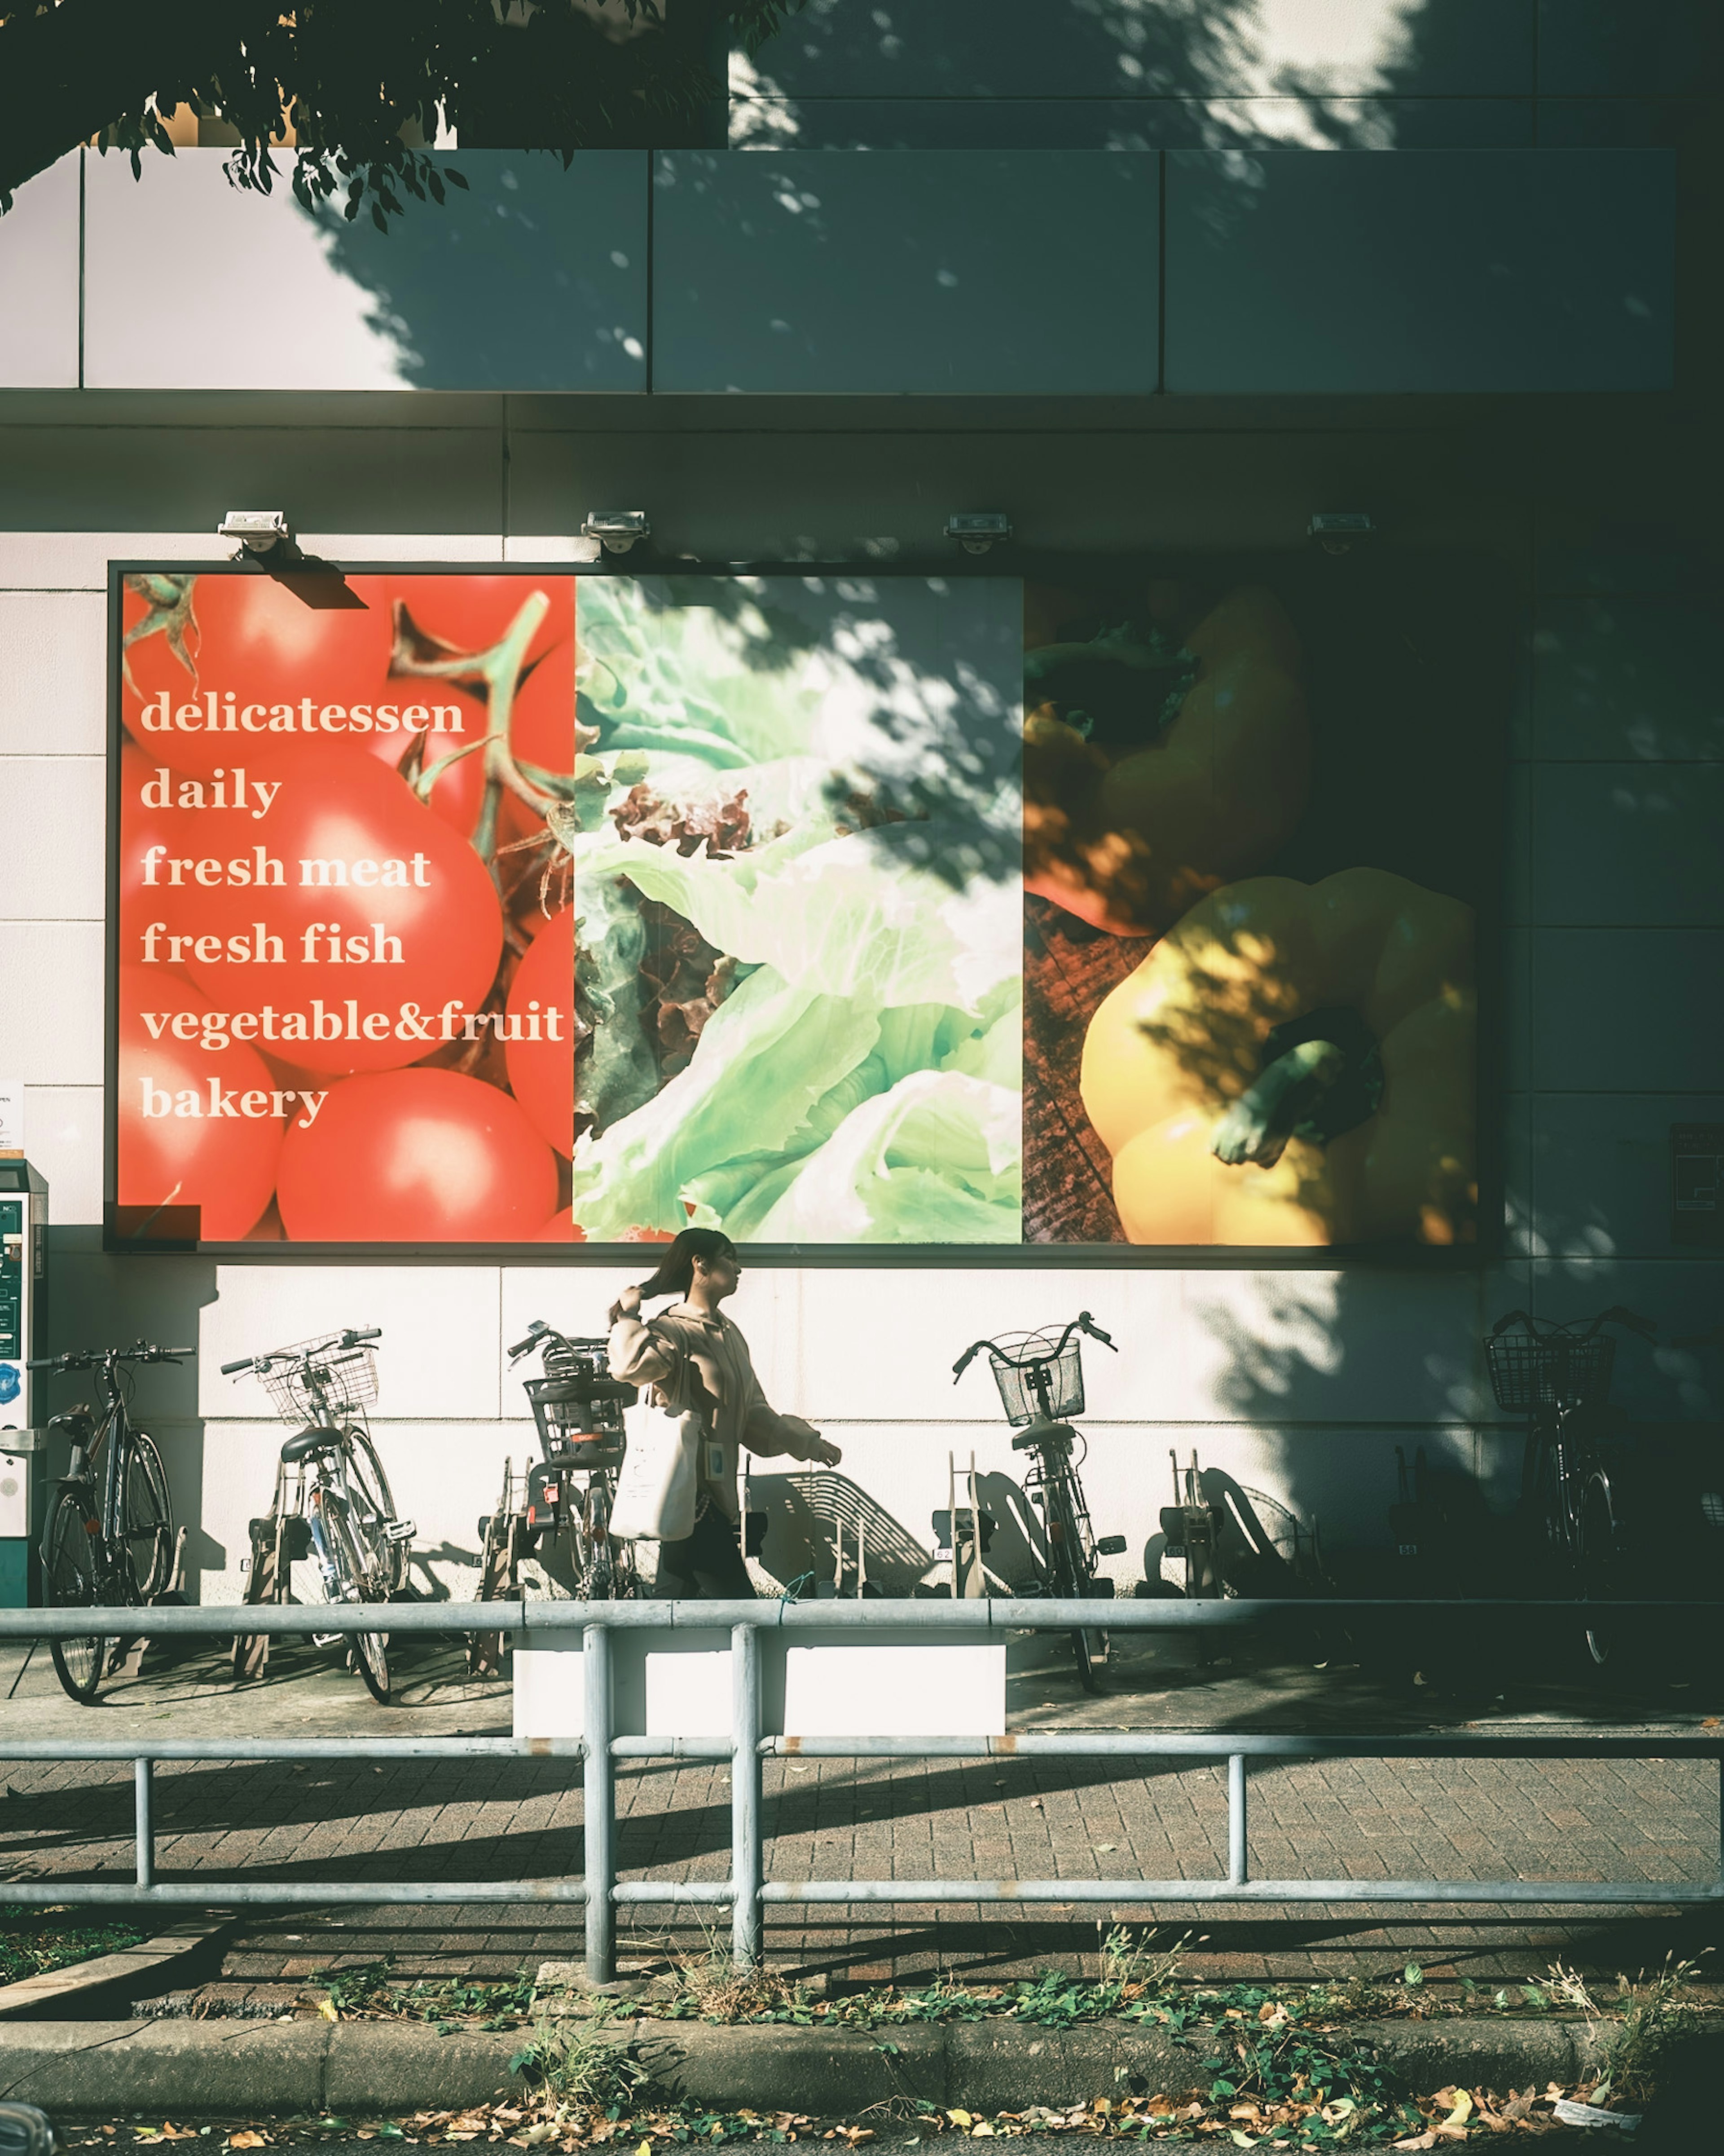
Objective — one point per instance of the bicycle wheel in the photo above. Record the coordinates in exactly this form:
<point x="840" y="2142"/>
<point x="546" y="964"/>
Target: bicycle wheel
<point x="1066" y="1579"/>
<point x="148" y="1528"/>
<point x="1597" y="1570"/>
<point x="353" y="1582"/>
<point x="374" y="1504"/>
<point x="71" y="1580"/>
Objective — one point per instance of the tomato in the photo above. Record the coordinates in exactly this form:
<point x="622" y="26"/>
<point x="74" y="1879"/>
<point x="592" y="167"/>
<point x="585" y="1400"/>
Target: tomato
<point x="417" y="1156"/>
<point x="470" y="613"/>
<point x="198" y="1125"/>
<point x="541" y="1073"/>
<point x="420" y="936"/>
<point x="561" y="1229"/>
<point x="286" y="667"/>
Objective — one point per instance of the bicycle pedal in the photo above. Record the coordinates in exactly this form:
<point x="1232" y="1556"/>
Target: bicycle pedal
<point x="400" y="1530"/>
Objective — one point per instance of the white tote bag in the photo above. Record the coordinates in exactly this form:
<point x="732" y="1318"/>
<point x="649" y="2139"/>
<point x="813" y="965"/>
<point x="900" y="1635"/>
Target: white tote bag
<point x="657" y="1489"/>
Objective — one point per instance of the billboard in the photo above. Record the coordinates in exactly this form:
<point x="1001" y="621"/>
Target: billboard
<point x="487" y="910"/>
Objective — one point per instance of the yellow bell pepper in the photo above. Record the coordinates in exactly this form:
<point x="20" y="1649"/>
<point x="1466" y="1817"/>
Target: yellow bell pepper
<point x="1205" y="1132"/>
<point x="1127" y="827"/>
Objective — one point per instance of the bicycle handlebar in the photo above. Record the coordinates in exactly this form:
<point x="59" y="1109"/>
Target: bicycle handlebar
<point x="1548" y="1328"/>
<point x="536" y="1332"/>
<point x="1083" y="1323"/>
<point x="87" y="1358"/>
<point x="347" y="1341"/>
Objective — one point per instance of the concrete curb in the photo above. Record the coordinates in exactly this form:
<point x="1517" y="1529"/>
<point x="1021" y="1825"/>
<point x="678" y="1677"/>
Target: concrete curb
<point x="228" y="2069"/>
<point x="136" y="1966"/>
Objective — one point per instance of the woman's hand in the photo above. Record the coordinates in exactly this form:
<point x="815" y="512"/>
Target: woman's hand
<point x="627" y="1305"/>
<point x="825" y="1452"/>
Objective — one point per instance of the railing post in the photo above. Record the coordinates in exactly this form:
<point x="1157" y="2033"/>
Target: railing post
<point x="1238" y="1862"/>
<point x="144" y="1811"/>
<point x="598" y="1807"/>
<point x="746" y="1867"/>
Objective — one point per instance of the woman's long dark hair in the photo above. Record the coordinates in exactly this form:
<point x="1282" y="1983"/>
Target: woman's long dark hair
<point x="676" y="1273"/>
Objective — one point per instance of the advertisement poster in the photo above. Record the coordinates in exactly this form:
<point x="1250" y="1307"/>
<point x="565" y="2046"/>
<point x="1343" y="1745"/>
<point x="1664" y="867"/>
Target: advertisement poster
<point x="489" y="910"/>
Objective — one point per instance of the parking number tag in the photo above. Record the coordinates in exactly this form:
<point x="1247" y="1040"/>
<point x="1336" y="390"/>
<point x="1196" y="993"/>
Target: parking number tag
<point x="715" y="1460"/>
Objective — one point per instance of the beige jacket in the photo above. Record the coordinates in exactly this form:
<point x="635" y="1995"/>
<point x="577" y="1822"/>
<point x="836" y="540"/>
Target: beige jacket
<point x="726" y="1394"/>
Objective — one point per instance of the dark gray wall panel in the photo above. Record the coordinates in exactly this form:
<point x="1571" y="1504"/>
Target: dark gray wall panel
<point x="1601" y="1169"/>
<point x="929" y="271"/>
<point x="1618" y="677"/>
<point x="1628" y="844"/>
<point x="1432" y="270"/>
<point x="1130" y="123"/>
<point x="1617" y="1010"/>
<point x="1098" y="48"/>
<point x="1613" y="49"/>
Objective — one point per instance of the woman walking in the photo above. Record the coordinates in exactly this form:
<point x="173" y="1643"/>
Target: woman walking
<point x="696" y="1359"/>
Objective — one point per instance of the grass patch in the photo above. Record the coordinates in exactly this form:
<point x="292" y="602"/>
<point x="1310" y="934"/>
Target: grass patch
<point x="33" y="1940"/>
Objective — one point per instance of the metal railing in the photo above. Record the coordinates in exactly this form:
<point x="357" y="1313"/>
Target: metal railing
<point x="748" y="1891"/>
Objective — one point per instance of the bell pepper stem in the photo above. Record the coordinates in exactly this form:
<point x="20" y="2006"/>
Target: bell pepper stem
<point x="1257" y="1124"/>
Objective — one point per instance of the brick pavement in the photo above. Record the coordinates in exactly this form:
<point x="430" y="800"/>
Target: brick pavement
<point x="497" y="1819"/>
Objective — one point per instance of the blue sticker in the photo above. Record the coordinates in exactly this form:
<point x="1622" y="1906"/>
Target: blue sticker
<point x="11" y="1383"/>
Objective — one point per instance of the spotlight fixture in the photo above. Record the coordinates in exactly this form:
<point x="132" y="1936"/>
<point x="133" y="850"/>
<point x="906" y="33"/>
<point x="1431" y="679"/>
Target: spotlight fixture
<point x="616" y="530"/>
<point x="1338" y="531"/>
<point x="977" y="530"/>
<point x="259" y="531"/>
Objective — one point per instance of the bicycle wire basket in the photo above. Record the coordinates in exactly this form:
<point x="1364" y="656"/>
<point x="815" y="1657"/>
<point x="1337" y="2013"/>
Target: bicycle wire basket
<point x="563" y="1408"/>
<point x="1026" y="1366"/>
<point x="322" y="1377"/>
<point x="1549" y="1369"/>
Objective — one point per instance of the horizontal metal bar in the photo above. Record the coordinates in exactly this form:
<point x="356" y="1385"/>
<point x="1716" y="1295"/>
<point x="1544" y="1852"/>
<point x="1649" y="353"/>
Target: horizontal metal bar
<point x="670" y="1890"/>
<point x="1467" y="1744"/>
<point x="670" y="1747"/>
<point x="278" y="1620"/>
<point x="225" y="1620"/>
<point x="255" y="1893"/>
<point x="1640" y="1892"/>
<point x="296" y="1748"/>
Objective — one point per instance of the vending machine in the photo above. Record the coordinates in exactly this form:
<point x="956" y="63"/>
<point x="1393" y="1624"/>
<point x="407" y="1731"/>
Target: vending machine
<point x="23" y="1455"/>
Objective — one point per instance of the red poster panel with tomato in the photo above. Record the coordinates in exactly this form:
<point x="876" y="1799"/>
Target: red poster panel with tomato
<point x="464" y="910"/>
<point x="345" y="982"/>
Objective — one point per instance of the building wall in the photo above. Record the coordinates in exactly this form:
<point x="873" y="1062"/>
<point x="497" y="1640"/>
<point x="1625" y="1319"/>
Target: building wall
<point x="1301" y="1382"/>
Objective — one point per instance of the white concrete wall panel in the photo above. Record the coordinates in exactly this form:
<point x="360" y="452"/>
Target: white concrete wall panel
<point x="53" y="674"/>
<point x="1487" y="270"/>
<point x="839" y="273"/>
<point x="532" y="277"/>
<point x="63" y="1134"/>
<point x="51" y="1025"/>
<point x="436" y="1361"/>
<point x="39" y="281"/>
<point x="53" y="864"/>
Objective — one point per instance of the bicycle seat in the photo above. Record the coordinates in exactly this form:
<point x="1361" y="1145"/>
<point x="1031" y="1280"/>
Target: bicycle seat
<point x="316" y="1439"/>
<point x="1055" y="1434"/>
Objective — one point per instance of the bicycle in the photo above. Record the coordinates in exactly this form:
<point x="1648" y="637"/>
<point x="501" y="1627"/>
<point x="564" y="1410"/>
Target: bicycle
<point x="559" y="1510"/>
<point x="332" y="1504"/>
<point x="116" y="1551"/>
<point x="1041" y="1379"/>
<point x="1558" y="1376"/>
